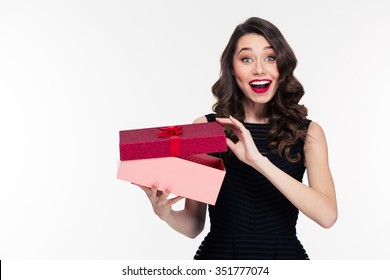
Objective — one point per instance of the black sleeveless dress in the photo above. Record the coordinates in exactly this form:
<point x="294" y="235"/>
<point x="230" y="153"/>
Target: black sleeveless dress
<point x="251" y="218"/>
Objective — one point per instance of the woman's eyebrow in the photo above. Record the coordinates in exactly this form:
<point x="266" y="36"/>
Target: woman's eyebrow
<point x="250" y="49"/>
<point x="245" y="49"/>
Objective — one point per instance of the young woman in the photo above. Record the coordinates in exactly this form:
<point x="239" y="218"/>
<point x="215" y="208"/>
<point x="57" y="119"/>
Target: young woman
<point x="271" y="144"/>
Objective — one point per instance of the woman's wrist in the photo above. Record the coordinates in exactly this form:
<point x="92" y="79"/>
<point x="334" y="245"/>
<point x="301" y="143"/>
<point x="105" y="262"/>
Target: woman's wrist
<point x="258" y="162"/>
<point x="167" y="217"/>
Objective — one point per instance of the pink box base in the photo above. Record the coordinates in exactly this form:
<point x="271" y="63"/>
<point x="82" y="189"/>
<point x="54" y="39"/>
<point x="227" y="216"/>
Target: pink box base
<point x="198" y="177"/>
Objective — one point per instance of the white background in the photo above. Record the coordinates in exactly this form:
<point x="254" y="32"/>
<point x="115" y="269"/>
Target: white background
<point x="74" y="73"/>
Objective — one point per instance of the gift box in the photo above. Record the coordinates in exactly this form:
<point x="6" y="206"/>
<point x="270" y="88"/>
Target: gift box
<point x="198" y="177"/>
<point x="184" y="140"/>
<point x="175" y="158"/>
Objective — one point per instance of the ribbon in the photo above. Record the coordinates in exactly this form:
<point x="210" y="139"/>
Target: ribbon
<point x="173" y="133"/>
<point x="169" y="131"/>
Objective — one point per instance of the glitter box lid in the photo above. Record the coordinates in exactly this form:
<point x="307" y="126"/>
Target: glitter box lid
<point x="178" y="140"/>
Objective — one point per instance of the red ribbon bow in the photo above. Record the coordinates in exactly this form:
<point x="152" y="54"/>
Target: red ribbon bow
<point x="169" y="131"/>
<point x="174" y="141"/>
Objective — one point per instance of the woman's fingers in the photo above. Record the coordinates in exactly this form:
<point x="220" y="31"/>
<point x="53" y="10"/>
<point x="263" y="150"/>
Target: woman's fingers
<point x="170" y="201"/>
<point x="233" y="124"/>
<point x="151" y="192"/>
<point x="154" y="193"/>
<point x="230" y="144"/>
<point x="145" y="189"/>
<point x="226" y="123"/>
<point x="166" y="193"/>
<point x="173" y="200"/>
<point x="162" y="205"/>
<point x="236" y="122"/>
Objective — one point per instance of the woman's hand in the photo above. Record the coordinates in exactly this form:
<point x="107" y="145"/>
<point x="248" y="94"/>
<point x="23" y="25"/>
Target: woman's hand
<point x="162" y="206"/>
<point x="245" y="149"/>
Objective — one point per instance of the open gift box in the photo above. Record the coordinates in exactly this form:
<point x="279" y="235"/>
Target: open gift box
<point x="175" y="158"/>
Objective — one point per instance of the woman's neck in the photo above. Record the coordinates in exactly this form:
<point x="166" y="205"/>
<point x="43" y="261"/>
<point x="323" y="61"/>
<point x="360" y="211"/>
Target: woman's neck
<point x="255" y="113"/>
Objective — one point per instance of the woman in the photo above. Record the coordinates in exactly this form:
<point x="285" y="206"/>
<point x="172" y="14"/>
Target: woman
<point x="271" y="144"/>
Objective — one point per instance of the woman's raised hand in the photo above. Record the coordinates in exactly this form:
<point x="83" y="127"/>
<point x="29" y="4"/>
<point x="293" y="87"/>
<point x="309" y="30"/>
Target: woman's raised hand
<point x="245" y="149"/>
<point x="162" y="205"/>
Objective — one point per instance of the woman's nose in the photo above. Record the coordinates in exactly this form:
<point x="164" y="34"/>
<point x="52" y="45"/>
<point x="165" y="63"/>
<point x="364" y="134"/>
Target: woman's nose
<point x="258" y="68"/>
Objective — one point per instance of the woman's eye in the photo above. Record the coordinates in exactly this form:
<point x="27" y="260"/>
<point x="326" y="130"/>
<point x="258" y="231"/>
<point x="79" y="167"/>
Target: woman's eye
<point x="270" y="58"/>
<point x="246" y="59"/>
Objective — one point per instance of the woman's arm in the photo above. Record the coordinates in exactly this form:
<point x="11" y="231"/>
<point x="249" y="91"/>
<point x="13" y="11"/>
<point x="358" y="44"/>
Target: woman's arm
<point x="318" y="201"/>
<point x="189" y="221"/>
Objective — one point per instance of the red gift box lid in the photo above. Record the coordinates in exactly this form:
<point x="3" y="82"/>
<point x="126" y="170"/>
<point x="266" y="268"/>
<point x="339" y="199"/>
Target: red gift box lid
<point x="183" y="140"/>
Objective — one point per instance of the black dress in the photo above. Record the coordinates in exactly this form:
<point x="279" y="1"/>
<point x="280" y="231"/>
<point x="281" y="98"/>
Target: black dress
<point x="251" y="218"/>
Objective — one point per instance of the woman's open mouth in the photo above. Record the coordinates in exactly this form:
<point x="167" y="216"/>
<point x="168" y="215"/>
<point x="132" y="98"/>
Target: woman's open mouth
<point x="260" y="86"/>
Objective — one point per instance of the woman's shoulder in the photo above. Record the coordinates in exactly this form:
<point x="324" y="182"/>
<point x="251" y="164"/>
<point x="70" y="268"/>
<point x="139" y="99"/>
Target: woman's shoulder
<point x="315" y="133"/>
<point x="205" y="118"/>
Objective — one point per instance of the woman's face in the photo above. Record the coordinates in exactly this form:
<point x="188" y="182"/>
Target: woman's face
<point x="255" y="69"/>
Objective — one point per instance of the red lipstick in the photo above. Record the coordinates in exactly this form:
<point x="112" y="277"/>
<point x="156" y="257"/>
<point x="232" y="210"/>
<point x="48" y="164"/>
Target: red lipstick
<point x="260" y="86"/>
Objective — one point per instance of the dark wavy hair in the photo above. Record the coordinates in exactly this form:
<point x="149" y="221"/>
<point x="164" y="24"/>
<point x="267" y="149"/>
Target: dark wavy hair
<point x="286" y="117"/>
